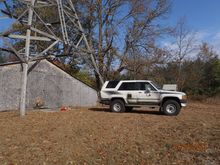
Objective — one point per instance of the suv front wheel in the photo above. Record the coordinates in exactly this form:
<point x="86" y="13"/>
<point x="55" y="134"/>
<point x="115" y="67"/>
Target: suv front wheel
<point x="117" y="106"/>
<point x="171" y="108"/>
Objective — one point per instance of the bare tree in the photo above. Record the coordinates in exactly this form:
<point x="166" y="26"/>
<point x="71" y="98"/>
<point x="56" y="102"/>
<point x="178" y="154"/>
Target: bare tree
<point x="141" y="51"/>
<point x="206" y="52"/>
<point x="184" y="45"/>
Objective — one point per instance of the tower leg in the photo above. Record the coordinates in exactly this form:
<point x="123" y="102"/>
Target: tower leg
<point x="25" y="65"/>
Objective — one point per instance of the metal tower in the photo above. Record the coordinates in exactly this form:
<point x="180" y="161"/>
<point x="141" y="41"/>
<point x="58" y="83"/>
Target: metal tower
<point x="58" y="34"/>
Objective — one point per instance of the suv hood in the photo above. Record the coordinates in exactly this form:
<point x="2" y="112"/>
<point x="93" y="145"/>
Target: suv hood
<point x="171" y="92"/>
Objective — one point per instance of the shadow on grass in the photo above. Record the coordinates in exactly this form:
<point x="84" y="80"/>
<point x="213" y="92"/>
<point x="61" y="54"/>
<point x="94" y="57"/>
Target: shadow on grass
<point x="137" y="111"/>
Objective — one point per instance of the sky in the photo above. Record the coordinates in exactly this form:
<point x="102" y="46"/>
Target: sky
<point x="203" y="16"/>
<point x="200" y="14"/>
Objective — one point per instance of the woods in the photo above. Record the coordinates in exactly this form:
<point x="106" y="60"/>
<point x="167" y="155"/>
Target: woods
<point x="128" y="39"/>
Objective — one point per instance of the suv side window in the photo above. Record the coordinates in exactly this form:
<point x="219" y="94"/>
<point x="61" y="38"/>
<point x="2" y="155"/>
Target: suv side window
<point x="146" y="85"/>
<point x="129" y="86"/>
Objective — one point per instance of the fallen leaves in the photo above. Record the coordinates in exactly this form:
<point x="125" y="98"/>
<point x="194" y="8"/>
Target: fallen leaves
<point x="97" y="136"/>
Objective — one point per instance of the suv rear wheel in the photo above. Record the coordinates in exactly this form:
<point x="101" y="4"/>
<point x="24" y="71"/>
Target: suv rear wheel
<point x="117" y="106"/>
<point x="171" y="108"/>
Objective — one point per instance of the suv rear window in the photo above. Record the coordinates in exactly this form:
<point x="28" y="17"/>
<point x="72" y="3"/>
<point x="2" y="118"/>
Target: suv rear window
<point x="129" y="86"/>
<point x="112" y="84"/>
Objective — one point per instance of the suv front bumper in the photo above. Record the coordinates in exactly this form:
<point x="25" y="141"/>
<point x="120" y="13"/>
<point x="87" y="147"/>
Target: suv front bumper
<point x="183" y="103"/>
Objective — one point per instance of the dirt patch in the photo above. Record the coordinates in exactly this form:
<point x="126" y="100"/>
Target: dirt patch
<point x="96" y="136"/>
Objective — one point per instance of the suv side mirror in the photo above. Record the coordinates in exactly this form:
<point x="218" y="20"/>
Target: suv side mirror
<point x="147" y="90"/>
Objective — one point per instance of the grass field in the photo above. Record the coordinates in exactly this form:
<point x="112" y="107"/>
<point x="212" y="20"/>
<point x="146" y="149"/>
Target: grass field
<point x="96" y="136"/>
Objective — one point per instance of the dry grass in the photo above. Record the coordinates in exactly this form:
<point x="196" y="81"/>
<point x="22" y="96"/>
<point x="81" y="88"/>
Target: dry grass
<point x="96" y="136"/>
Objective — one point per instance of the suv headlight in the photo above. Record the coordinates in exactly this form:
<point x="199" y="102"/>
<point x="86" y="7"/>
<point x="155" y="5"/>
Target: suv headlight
<point x="184" y="97"/>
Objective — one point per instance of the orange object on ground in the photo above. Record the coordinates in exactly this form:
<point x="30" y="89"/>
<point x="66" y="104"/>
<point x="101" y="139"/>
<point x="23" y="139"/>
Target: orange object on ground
<point x="64" y="109"/>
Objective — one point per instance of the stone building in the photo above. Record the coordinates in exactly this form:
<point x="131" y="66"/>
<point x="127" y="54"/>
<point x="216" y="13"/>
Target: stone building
<point x="48" y="87"/>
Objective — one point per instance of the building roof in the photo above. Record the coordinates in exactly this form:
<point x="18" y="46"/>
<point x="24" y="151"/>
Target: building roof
<point x="48" y="60"/>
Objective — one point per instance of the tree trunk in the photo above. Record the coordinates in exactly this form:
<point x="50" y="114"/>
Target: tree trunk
<point x="100" y="44"/>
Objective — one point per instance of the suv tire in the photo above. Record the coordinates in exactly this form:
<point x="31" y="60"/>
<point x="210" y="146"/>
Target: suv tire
<point x="161" y="111"/>
<point x="117" y="106"/>
<point x="171" y="108"/>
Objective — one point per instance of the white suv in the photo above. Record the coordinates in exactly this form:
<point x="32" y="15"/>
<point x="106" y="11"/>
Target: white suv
<point x="124" y="95"/>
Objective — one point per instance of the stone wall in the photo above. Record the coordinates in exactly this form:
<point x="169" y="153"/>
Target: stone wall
<point x="47" y="85"/>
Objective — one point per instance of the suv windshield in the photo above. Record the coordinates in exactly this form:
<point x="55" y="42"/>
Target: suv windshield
<point x="156" y="85"/>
